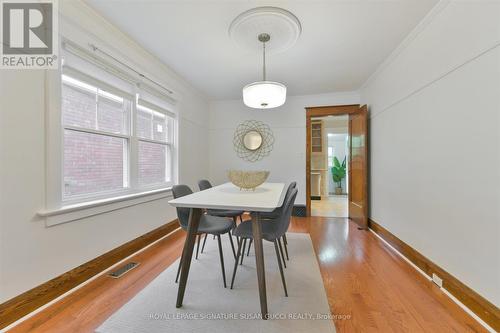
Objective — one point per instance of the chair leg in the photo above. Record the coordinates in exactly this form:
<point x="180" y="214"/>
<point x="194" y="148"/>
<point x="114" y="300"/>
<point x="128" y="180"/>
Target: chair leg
<point x="249" y="245"/>
<point x="240" y="243"/>
<point x="281" y="251"/>
<point x="204" y="241"/>
<point x="281" y="267"/>
<point x="198" y="246"/>
<point x="285" y="243"/>
<point x="179" y="268"/>
<point x="221" y="260"/>
<point x="232" y="244"/>
<point x="243" y="252"/>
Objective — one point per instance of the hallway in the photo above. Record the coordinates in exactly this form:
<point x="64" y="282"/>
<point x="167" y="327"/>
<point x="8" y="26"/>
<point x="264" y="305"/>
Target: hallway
<point x="333" y="206"/>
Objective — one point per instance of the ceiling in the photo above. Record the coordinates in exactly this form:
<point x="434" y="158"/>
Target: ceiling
<point x="341" y="45"/>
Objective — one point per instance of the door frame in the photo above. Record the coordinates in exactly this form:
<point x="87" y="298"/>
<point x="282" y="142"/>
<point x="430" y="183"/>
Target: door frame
<point x="320" y="111"/>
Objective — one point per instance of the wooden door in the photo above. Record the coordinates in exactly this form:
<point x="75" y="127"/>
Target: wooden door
<point x="358" y="167"/>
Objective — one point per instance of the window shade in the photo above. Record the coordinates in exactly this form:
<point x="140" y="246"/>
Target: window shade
<point x="77" y="61"/>
<point x="79" y="75"/>
<point x="155" y="107"/>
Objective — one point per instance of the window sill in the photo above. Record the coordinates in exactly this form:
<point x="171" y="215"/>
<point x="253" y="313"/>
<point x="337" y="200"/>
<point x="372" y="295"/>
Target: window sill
<point x="79" y="211"/>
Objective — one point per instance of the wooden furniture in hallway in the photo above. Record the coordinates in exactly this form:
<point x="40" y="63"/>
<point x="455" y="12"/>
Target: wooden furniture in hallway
<point x="317" y="136"/>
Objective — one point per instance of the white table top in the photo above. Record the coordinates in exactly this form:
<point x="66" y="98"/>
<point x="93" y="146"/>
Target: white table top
<point x="265" y="198"/>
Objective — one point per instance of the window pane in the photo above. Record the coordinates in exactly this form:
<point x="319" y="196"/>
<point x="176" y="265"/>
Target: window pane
<point x="87" y="106"/>
<point x="79" y="107"/>
<point x="144" y="123"/>
<point x="159" y="127"/>
<point x="113" y="114"/>
<point x="93" y="163"/>
<point x="153" y="164"/>
<point x="152" y="124"/>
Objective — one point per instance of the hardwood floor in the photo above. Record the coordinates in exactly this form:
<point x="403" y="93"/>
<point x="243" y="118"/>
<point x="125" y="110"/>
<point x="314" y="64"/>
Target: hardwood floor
<point x="362" y="277"/>
<point x="380" y="291"/>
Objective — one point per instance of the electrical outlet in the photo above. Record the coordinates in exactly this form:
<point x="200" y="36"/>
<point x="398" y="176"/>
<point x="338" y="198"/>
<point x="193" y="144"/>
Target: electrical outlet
<point x="437" y="280"/>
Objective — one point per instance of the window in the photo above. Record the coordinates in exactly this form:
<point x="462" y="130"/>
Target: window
<point x="154" y="131"/>
<point x="330" y="156"/>
<point x="96" y="138"/>
<point x="117" y="138"/>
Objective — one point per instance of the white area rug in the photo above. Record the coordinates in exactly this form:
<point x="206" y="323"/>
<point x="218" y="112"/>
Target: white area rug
<point x="208" y="307"/>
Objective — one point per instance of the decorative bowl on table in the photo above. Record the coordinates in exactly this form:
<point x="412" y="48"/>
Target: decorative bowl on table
<point x="247" y="180"/>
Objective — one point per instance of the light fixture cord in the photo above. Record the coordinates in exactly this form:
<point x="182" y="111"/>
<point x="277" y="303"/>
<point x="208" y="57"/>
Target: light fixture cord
<point x="264" y="61"/>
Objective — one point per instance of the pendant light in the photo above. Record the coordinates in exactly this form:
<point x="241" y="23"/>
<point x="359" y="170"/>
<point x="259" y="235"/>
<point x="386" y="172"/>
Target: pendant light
<point x="264" y="94"/>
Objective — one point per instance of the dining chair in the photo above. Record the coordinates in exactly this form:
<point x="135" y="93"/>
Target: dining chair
<point x="273" y="215"/>
<point x="211" y="225"/>
<point x="204" y="184"/>
<point x="272" y="231"/>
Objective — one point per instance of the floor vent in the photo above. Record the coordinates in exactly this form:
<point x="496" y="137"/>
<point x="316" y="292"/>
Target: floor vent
<point x="124" y="269"/>
<point x="299" y="210"/>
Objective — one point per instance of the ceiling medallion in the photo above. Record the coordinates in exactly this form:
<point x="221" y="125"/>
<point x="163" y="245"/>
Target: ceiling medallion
<point x="283" y="26"/>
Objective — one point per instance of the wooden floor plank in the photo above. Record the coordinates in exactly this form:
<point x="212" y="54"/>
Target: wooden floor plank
<point x="363" y="278"/>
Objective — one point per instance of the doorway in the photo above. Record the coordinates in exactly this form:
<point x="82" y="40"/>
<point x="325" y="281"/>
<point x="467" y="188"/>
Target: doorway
<point x="329" y="165"/>
<point x="336" y="162"/>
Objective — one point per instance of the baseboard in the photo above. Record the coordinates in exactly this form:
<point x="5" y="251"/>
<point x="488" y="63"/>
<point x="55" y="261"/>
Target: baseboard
<point x="483" y="308"/>
<point x="29" y="301"/>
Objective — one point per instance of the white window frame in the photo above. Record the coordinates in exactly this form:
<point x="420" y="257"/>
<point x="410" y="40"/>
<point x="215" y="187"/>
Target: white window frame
<point x="140" y="103"/>
<point x="60" y="210"/>
<point x="126" y="160"/>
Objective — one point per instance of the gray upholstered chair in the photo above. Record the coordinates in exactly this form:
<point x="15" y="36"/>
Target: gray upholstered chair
<point x="273" y="215"/>
<point x="204" y="184"/>
<point x="272" y="231"/>
<point x="212" y="225"/>
<point x="234" y="214"/>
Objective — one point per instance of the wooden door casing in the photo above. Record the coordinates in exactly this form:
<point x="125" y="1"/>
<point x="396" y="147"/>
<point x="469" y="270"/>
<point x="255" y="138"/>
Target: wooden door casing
<point x="320" y="111"/>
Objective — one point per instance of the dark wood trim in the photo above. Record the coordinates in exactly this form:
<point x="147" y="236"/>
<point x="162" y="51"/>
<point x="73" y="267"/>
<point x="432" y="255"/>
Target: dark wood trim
<point x="332" y="110"/>
<point x="27" y="302"/>
<point x="320" y="111"/>
<point x="308" y="164"/>
<point x="475" y="302"/>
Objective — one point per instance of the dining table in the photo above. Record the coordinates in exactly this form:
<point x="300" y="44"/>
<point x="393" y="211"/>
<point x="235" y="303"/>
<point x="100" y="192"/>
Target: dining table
<point x="264" y="198"/>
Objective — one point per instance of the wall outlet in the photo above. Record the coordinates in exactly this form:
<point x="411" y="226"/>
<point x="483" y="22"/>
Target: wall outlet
<point x="437" y="280"/>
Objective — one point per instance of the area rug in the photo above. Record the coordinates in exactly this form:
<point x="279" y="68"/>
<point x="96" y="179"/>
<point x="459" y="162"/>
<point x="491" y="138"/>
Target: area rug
<point x="209" y="307"/>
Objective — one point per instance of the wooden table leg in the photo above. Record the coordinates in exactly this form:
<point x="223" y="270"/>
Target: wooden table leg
<point x="187" y="253"/>
<point x="259" y="260"/>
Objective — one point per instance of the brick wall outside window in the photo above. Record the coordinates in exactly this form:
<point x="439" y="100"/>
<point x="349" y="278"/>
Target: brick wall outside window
<point x="98" y="162"/>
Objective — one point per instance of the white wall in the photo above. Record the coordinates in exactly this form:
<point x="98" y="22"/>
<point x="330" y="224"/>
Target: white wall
<point x="287" y="162"/>
<point x="340" y="149"/>
<point x="435" y="142"/>
<point x="338" y="126"/>
<point x="31" y="253"/>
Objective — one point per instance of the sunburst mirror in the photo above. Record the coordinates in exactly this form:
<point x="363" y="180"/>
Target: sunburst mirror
<point x="253" y="140"/>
